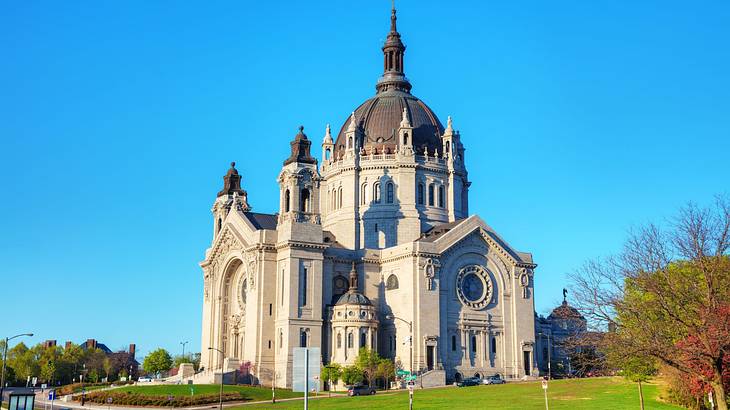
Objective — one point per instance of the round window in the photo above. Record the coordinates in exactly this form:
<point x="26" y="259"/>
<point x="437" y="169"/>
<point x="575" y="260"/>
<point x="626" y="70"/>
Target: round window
<point x="474" y="287"/>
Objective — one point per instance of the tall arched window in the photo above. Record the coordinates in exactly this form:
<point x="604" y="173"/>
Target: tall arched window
<point x="287" y="200"/>
<point x="390" y="192"/>
<point x="364" y="194"/>
<point x="327" y="154"/>
<point x="349" y="340"/>
<point x="441" y="196"/>
<point x="304" y="200"/>
<point x="339" y="340"/>
<point x="339" y="199"/>
<point x="420" y="199"/>
<point x="220" y="225"/>
<point x="363" y="339"/>
<point x="453" y="343"/>
<point x="405" y="138"/>
<point x="376" y="192"/>
<point x="430" y="195"/>
<point x="474" y="344"/>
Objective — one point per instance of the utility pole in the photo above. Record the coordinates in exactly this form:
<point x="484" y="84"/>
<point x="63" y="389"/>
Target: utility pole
<point x="220" y="393"/>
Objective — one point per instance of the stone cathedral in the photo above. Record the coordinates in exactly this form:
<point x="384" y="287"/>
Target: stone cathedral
<point x="373" y="246"/>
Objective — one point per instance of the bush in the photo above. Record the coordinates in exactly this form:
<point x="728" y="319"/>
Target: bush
<point x="137" y="399"/>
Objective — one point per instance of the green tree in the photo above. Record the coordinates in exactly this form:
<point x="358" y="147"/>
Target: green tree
<point x="667" y="296"/>
<point x="331" y="373"/>
<point x="159" y="361"/>
<point x="367" y="361"/>
<point x="24" y="361"/>
<point x="386" y="370"/>
<point x="352" y="375"/>
<point x="638" y="370"/>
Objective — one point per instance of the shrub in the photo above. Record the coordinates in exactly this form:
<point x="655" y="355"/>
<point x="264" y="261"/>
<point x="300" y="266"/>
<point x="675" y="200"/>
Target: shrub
<point x="137" y="399"/>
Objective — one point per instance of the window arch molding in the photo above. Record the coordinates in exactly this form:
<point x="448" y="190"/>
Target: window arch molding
<point x="392" y="282"/>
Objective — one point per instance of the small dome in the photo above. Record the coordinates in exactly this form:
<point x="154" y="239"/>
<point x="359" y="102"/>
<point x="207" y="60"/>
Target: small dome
<point x="379" y="118"/>
<point x="353" y="298"/>
<point x="565" y="311"/>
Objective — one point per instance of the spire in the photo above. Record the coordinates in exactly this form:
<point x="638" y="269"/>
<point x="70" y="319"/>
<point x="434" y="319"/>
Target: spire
<point x="393" y="75"/>
<point x="352" y="127"/>
<point x="353" y="278"/>
<point x="405" y="122"/>
<point x="232" y="182"/>
<point x="327" y="135"/>
<point x="300" y="149"/>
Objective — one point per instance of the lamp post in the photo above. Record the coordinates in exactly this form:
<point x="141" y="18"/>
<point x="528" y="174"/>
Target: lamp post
<point x="5" y="358"/>
<point x="183" y="345"/>
<point x="549" y="349"/>
<point x="220" y="394"/>
<point x="410" y="331"/>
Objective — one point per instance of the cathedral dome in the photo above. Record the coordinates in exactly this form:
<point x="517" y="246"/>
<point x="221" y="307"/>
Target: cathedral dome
<point x="379" y="119"/>
<point x="353" y="298"/>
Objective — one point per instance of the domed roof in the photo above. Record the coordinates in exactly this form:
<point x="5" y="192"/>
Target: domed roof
<point x="353" y="298"/>
<point x="565" y="311"/>
<point x="379" y="119"/>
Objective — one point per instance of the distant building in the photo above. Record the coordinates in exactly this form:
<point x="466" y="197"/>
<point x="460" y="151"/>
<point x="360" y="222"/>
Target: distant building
<point x="554" y="333"/>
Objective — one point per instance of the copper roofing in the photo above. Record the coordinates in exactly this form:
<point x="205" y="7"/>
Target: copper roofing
<point x="379" y="118"/>
<point x="354" y="298"/>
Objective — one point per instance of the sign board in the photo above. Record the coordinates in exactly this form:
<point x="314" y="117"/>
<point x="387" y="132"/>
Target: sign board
<point x="544" y="384"/>
<point x="306" y="360"/>
<point x="52" y="395"/>
<point x="44" y="386"/>
<point x="35" y="381"/>
<point x="21" y="402"/>
<point x="400" y="372"/>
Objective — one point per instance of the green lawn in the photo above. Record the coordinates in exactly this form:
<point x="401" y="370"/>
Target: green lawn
<point x="254" y="393"/>
<point x="595" y="393"/>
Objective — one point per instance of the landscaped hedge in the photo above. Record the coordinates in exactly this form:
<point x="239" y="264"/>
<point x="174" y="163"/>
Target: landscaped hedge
<point x="136" y="399"/>
<point x="76" y="387"/>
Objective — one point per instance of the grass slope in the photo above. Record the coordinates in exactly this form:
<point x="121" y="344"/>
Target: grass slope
<point x="253" y="393"/>
<point x="594" y="394"/>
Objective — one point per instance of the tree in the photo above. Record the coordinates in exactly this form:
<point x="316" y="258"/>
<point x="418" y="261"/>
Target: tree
<point x="367" y="361"/>
<point x="331" y="373"/>
<point x="667" y="296"/>
<point x="638" y="370"/>
<point x="159" y="361"/>
<point x="386" y="370"/>
<point x="352" y="375"/>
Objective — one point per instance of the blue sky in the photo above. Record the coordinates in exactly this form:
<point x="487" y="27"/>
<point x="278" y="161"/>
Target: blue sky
<point x="118" y="120"/>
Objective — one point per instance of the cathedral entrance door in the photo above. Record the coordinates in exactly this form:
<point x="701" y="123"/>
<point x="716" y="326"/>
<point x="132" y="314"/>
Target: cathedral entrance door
<point x="429" y="357"/>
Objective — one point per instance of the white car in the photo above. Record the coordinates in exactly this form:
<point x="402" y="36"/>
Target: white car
<point x="144" y="380"/>
<point x="496" y="379"/>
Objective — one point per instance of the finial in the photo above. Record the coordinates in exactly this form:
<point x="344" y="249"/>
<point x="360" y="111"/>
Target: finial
<point x="301" y="128"/>
<point x="393" y="18"/>
<point x="449" y="124"/>
<point x="565" y="296"/>
<point x="327" y="135"/>
<point x="233" y="164"/>
<point x="405" y="122"/>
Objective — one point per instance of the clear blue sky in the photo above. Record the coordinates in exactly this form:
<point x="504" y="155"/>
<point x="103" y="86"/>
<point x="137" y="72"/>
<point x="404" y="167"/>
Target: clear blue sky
<point x="118" y="120"/>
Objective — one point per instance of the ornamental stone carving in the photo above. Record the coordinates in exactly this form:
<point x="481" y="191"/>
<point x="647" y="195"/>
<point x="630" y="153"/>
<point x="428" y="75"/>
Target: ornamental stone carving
<point x="430" y="270"/>
<point x="474" y="287"/>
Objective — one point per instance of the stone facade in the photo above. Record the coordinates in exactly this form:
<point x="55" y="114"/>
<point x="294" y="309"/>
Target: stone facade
<point x="372" y="246"/>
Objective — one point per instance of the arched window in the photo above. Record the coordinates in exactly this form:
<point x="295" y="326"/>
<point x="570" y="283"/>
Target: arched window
<point x="494" y="345"/>
<point x="441" y="196"/>
<point x="405" y="138"/>
<point x="220" y="225"/>
<point x="430" y="195"/>
<point x="392" y="282"/>
<point x="474" y="344"/>
<point x="349" y="143"/>
<point x="339" y="340"/>
<point x="349" y="340"/>
<point x="390" y="193"/>
<point x="363" y="339"/>
<point x="327" y="154"/>
<point x="339" y="199"/>
<point x="453" y="343"/>
<point x="364" y="194"/>
<point x="287" y="200"/>
<point x="420" y="199"/>
<point x="304" y="200"/>
<point x="281" y="339"/>
<point x="376" y="192"/>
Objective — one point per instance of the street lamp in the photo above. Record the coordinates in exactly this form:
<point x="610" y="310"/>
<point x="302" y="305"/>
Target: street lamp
<point x="5" y="359"/>
<point x="548" y="349"/>
<point x="220" y="395"/>
<point x="183" y="345"/>
<point x="410" y="331"/>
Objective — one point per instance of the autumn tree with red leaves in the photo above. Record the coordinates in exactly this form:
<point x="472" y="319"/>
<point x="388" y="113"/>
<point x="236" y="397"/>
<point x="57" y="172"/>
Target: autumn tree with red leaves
<point x="666" y="296"/>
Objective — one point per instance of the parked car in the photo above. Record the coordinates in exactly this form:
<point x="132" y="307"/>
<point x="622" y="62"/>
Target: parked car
<point x="144" y="379"/>
<point x="360" y="390"/>
<point x="469" y="381"/>
<point x="496" y="379"/>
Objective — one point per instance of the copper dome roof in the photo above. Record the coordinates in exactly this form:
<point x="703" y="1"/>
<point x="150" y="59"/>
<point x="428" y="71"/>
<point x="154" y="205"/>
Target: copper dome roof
<point x="354" y="298"/>
<point x="379" y="117"/>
